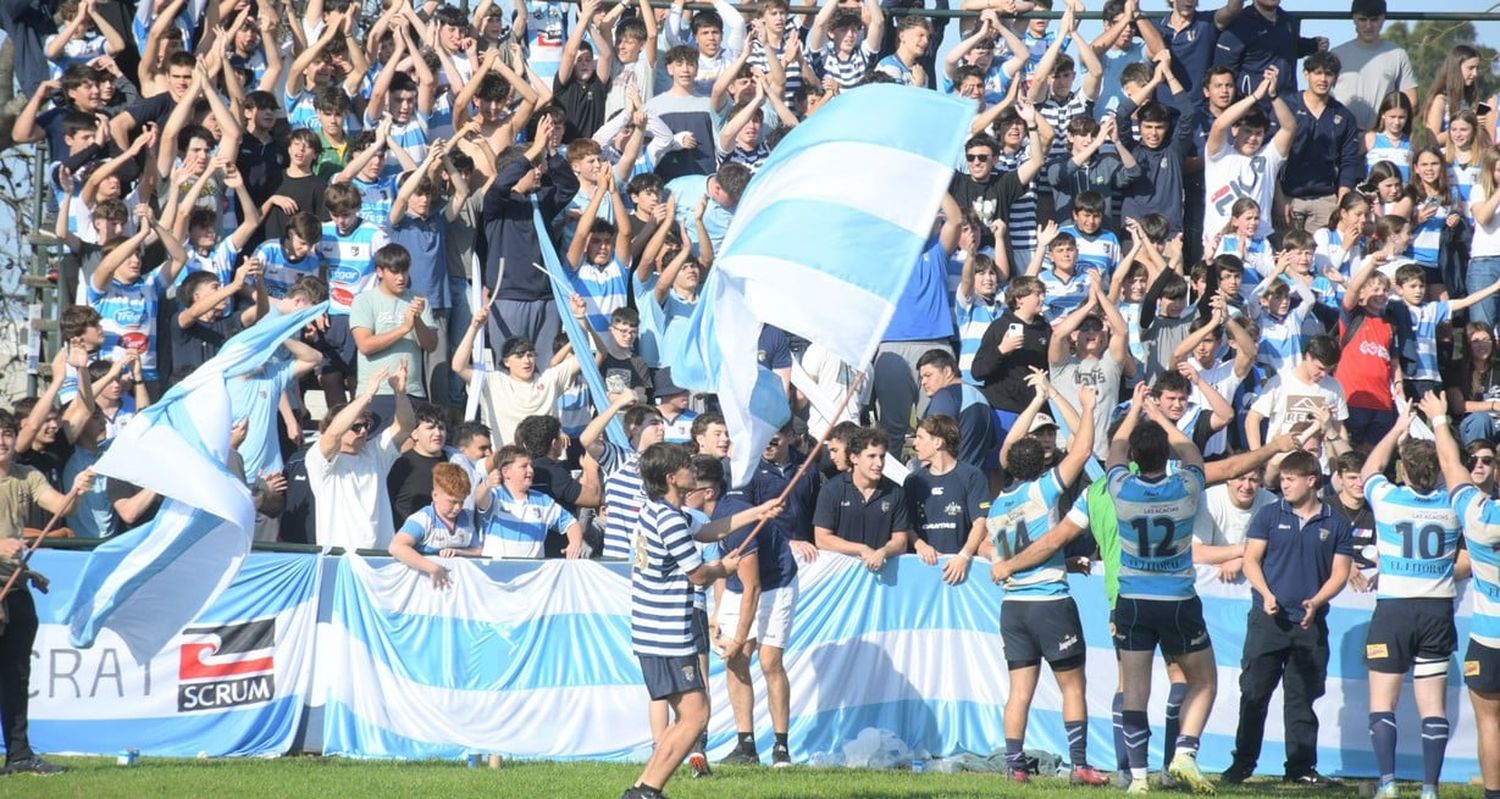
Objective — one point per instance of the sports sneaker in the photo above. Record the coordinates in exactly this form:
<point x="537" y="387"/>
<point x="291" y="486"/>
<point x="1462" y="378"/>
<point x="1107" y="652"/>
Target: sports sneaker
<point x="1310" y="779"/>
<point x="1429" y="793"/>
<point x="1167" y="780"/>
<point x="741" y="757"/>
<point x="1019" y="775"/>
<point x="698" y="762"/>
<point x="33" y="765"/>
<point x="1184" y="768"/>
<point x="781" y="757"/>
<point x="1386" y="790"/>
<point x="1087" y="775"/>
<point x="1236" y="774"/>
<point x="1138" y="786"/>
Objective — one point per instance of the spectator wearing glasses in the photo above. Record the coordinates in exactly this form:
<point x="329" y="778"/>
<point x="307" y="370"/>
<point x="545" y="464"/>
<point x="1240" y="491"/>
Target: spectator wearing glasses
<point x="347" y="471"/>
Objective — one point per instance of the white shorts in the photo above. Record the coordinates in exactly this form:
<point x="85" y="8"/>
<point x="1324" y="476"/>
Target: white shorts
<point x="773" y="616"/>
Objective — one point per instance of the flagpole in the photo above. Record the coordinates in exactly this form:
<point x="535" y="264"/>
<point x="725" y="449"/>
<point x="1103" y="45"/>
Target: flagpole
<point x="26" y="556"/>
<point x="811" y="457"/>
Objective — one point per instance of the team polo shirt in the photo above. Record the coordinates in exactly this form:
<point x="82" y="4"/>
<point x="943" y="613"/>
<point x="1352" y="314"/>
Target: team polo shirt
<point x="1481" y="523"/>
<point x="351" y="262"/>
<point x="127" y="314"/>
<point x="770" y="479"/>
<point x="432" y="534"/>
<point x="603" y="289"/>
<point x="1416" y="536"/>
<point x="661" y="595"/>
<point x="1019" y="515"/>
<point x="279" y="272"/>
<point x="376" y="198"/>
<point x="1099" y="250"/>
<point x="775" y="564"/>
<point x="1064" y="294"/>
<point x="1155" y="518"/>
<point x="945" y="506"/>
<point x="975" y="315"/>
<point x="1299" y="554"/>
<point x="1416" y="332"/>
<point x="680" y="428"/>
<point x="624" y="497"/>
<point x="517" y="527"/>
<point x="842" y="508"/>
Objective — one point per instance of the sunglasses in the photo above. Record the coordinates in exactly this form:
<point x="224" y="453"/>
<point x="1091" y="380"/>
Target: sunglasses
<point x="1484" y="460"/>
<point x="359" y="427"/>
<point x="973" y="157"/>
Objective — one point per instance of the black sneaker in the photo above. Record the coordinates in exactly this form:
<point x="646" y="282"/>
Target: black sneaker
<point x="35" y="766"/>
<point x="642" y="792"/>
<point x="781" y="757"/>
<point x="742" y="757"/>
<point x="1311" y="779"/>
<point x="1236" y="774"/>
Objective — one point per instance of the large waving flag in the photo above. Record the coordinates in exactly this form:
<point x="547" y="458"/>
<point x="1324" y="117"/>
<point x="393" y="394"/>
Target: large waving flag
<point x="822" y="245"/>
<point x="148" y="584"/>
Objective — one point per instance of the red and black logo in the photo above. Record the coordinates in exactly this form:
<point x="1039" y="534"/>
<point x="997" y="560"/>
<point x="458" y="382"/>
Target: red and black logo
<point x="227" y="666"/>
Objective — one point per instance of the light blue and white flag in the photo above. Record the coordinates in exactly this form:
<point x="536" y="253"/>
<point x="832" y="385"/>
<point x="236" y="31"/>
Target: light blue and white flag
<point x="146" y="585"/>
<point x="822" y="245"/>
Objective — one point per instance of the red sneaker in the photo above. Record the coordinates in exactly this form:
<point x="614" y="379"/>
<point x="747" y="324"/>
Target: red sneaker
<point x="1088" y="775"/>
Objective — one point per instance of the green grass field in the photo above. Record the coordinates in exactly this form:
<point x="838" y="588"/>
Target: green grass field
<point x="306" y="777"/>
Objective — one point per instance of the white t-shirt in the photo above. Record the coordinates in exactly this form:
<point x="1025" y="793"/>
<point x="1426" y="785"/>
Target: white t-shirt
<point x="1287" y="400"/>
<point x="1220" y="522"/>
<point x="353" y="507"/>
<point x="1486" y="243"/>
<point x="1229" y="175"/>
<point x="1224" y="380"/>
<point x="506" y="400"/>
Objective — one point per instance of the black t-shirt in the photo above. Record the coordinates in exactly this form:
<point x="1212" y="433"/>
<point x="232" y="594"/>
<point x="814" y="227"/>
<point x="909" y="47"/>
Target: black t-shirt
<point x="625" y="374"/>
<point x="410" y="484"/>
<point x="990" y="198"/>
<point x="582" y="102"/>
<point x="262" y="165"/>
<point x="308" y="193"/>
<point x="155" y="108"/>
<point x="555" y="479"/>
<point x="119" y="489"/>
<point x="1362" y="519"/>
<point x="193" y="346"/>
<point x="49" y="460"/>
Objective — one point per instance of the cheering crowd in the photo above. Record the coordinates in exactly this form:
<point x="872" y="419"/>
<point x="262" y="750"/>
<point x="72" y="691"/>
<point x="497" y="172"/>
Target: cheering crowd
<point x="1199" y="279"/>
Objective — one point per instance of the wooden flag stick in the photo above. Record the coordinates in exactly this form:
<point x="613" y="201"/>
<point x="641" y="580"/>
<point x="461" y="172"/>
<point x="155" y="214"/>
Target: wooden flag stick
<point x="26" y="556"/>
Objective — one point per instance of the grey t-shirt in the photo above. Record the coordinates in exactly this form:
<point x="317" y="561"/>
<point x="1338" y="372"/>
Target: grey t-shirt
<point x="1368" y="74"/>
<point x="380" y="312"/>
<point x="1104" y="375"/>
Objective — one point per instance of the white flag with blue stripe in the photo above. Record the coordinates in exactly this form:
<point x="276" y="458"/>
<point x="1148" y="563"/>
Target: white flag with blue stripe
<point x="822" y="245"/>
<point x="146" y="585"/>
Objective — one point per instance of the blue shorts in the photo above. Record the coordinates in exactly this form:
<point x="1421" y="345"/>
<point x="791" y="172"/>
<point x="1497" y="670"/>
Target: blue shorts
<point x="337" y="346"/>
<point x="669" y="676"/>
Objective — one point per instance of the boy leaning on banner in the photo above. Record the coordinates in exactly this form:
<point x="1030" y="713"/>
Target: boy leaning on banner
<point x="444" y="527"/>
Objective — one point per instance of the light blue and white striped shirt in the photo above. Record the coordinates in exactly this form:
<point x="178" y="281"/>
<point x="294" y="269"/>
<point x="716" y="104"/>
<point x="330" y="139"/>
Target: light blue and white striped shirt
<point x="1156" y="532"/>
<point x="1416" y="536"/>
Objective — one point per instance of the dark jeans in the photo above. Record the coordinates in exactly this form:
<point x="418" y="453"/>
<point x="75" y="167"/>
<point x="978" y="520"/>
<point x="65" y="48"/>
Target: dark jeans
<point x="1367" y="425"/>
<point x="1280" y="651"/>
<point x="15" y="669"/>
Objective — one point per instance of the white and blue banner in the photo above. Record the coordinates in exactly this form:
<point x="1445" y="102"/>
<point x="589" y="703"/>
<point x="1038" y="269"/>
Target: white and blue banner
<point x="532" y="659"/>
<point x="537" y="663"/>
<point x="233" y="682"/>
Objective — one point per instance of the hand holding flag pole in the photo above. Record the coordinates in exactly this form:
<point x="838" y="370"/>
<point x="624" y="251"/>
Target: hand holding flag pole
<point x="808" y="462"/>
<point x="78" y="488"/>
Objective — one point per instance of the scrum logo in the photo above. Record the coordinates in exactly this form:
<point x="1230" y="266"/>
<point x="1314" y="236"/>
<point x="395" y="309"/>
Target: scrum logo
<point x="227" y="666"/>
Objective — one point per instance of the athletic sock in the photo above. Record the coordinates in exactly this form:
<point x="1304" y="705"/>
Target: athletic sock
<point x="702" y="742"/>
<point x="1187" y="745"/>
<point x="1175" y="695"/>
<point x="1434" y="746"/>
<point x="1122" y="759"/>
<point x="1383" y="738"/>
<point x="780" y="741"/>
<point x="1078" y="742"/>
<point x="1137" y="738"/>
<point x="747" y="741"/>
<point x="1013" y="757"/>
